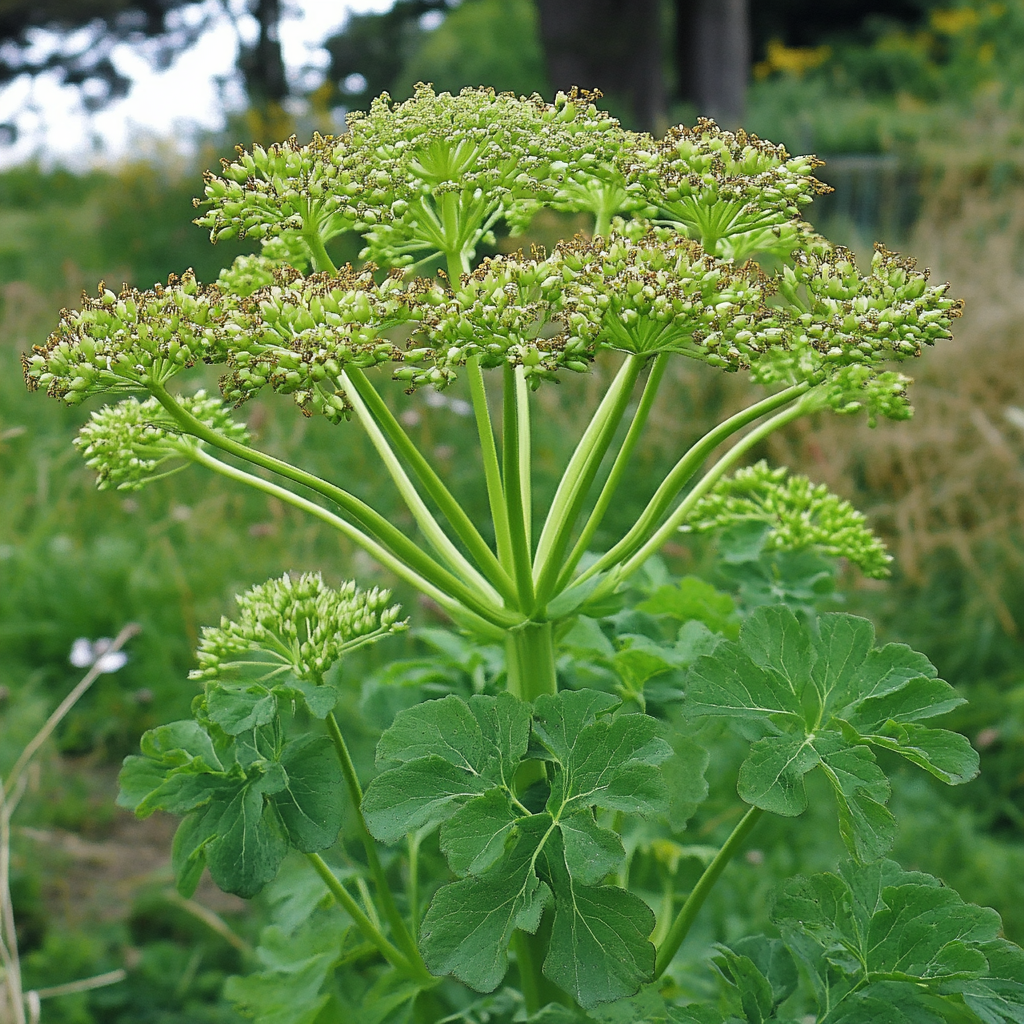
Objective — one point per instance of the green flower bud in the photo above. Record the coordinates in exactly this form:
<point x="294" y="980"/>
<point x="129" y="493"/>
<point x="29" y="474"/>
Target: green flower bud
<point x="801" y="515"/>
<point x="133" y="443"/>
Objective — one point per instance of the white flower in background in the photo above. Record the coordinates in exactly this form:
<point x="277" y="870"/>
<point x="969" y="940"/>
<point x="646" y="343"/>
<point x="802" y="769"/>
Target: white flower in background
<point x="86" y="653"/>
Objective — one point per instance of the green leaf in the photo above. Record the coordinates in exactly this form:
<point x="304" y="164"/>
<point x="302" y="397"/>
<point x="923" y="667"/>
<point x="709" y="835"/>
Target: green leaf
<point x="774" y="961"/>
<point x="917" y="698"/>
<point x="775" y="640"/>
<point x="240" y="707"/>
<point x="311" y="803"/>
<point x="188" y="848"/>
<point x="599" y="950"/>
<point x="505" y="721"/>
<point x="642" y="660"/>
<point x="513" y="859"/>
<point x="591" y="852"/>
<point x="889" y="1001"/>
<point x="878" y="922"/>
<point x="946" y="755"/>
<point x="844" y="642"/>
<point x="423" y="792"/>
<point x="559" y="718"/>
<point x="612" y="765"/>
<point x="183" y="790"/>
<point x="752" y="989"/>
<point x="444" y="728"/>
<point x="249" y="844"/>
<point x="467" y="929"/>
<point x="728" y="682"/>
<point x="319" y="700"/>
<point x="138" y="777"/>
<point x="997" y="998"/>
<point x="474" y="838"/>
<point x="772" y="776"/>
<point x="818" y="699"/>
<point x="696" y="599"/>
<point x="861" y="789"/>
<point x="180" y="743"/>
<point x="295" y="966"/>
<point x="684" y="776"/>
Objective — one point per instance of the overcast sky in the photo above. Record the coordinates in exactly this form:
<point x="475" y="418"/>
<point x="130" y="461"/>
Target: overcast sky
<point x="53" y="125"/>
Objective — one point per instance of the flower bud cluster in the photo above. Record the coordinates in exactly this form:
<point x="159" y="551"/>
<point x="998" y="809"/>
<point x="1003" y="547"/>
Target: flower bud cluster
<point x="301" y="622"/>
<point x="452" y="166"/>
<point x="511" y="309"/>
<point x="664" y="293"/>
<point x="127" y="342"/>
<point x="247" y="274"/>
<point x="133" y="443"/>
<point x="733" y="192"/>
<point x="285" y="188"/>
<point x="298" y="333"/>
<point x="844" y="325"/>
<point x="801" y="515"/>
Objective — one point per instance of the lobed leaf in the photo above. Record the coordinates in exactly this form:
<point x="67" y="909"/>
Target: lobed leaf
<point x="818" y="700"/>
<point x="453" y="762"/>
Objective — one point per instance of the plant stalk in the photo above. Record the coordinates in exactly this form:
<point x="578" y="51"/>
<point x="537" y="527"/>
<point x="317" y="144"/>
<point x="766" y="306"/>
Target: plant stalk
<point x="681" y="473"/>
<point x="530" y="655"/>
<point x="453" y="511"/>
<point x="688" y="913"/>
<point x="355" y="790"/>
<point x="492" y="469"/>
<point x="429" y="526"/>
<point x="706" y="482"/>
<point x="421" y="563"/>
<point x="514" y="494"/>
<point x="618" y="470"/>
<point x="530" y="977"/>
<point x="579" y="478"/>
<point x="363" y="923"/>
<point x="370" y="546"/>
<point x="317" y="249"/>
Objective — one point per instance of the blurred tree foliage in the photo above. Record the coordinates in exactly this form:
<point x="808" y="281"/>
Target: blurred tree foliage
<point x="82" y="35"/>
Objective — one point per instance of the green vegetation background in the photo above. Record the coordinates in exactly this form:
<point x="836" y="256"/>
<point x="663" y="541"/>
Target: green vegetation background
<point x="943" y="123"/>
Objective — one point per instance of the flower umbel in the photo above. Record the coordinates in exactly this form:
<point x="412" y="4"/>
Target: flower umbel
<point x="298" y="624"/>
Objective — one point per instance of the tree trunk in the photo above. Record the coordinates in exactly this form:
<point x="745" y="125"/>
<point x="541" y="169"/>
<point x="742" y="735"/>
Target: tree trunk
<point x="611" y="45"/>
<point x="713" y="56"/>
<point x="263" y="66"/>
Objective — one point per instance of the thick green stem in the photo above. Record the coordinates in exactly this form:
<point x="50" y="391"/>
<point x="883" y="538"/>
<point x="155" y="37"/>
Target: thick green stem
<point x="370" y="546"/>
<point x="419" y="561"/>
<point x="579" y="478"/>
<point x="453" y="511"/>
<point x="530" y="655"/>
<point x="458" y="265"/>
<point x="413" y="842"/>
<point x="706" y="482"/>
<point x="569" y="485"/>
<point x="688" y="913"/>
<point x="681" y="473"/>
<point x="315" y="243"/>
<point x="355" y="791"/>
<point x="429" y="526"/>
<point x="525" y="452"/>
<point x="530" y="978"/>
<point x="611" y="485"/>
<point x="492" y="469"/>
<point x="364" y="924"/>
<point x="514" y="509"/>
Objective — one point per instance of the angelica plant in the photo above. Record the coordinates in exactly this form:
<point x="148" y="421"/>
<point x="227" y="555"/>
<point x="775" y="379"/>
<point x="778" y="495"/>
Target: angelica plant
<point x="699" y="250"/>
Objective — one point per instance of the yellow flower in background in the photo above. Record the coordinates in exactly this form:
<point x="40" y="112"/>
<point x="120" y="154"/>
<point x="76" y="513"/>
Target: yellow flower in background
<point x="953" y="22"/>
<point x="791" y="60"/>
